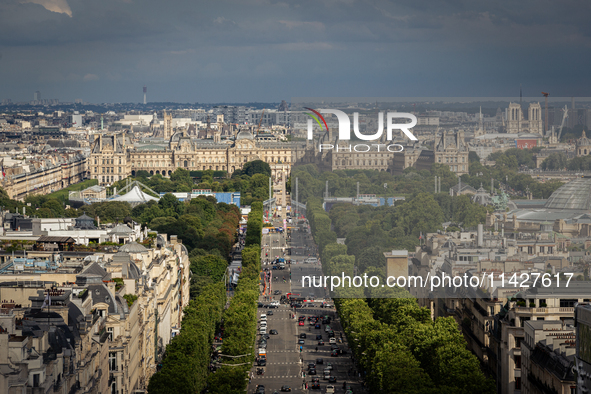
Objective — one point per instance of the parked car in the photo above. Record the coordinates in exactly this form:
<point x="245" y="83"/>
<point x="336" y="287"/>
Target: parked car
<point x="319" y="361"/>
<point x="273" y="332"/>
<point x="303" y="335"/>
<point x="318" y="337"/>
<point x="286" y="389"/>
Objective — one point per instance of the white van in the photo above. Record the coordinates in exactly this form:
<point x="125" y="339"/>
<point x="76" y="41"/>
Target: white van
<point x="311" y="260"/>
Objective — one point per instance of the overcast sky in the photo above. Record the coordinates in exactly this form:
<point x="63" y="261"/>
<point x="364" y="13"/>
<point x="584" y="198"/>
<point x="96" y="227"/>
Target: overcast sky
<point x="265" y="50"/>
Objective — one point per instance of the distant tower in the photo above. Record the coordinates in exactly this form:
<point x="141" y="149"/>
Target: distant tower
<point x="37" y="96"/>
<point x="480" y="130"/>
<point x="167" y="125"/>
<point x="145" y="91"/>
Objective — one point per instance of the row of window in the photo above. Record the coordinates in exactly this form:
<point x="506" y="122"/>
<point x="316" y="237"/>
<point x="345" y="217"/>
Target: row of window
<point x="106" y="161"/>
<point x="364" y="162"/>
<point x="453" y="159"/>
<point x="110" y="179"/>
<point x="107" y="170"/>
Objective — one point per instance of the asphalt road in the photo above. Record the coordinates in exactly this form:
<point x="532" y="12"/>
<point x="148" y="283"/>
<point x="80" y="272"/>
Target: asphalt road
<point x="285" y="363"/>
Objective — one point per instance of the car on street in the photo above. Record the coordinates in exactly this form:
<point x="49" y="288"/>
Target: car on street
<point x="330" y="389"/>
<point x="332" y="340"/>
<point x="261" y="362"/>
<point x="332" y="379"/>
<point x="316" y="383"/>
<point x="301" y="323"/>
<point x="318" y="337"/>
<point x="286" y="389"/>
<point x="312" y="371"/>
<point x="263" y="331"/>
<point x="301" y="342"/>
<point x="334" y="346"/>
<point x="303" y="335"/>
<point x="270" y="313"/>
<point x="311" y="365"/>
<point x="319" y="361"/>
<point x="260" y="305"/>
<point x="320" y="343"/>
<point x="260" y="389"/>
<point x="263" y="317"/>
<point x="317" y="325"/>
<point x="334" y="353"/>
<point x="328" y="366"/>
<point x="331" y="334"/>
<point x="273" y="332"/>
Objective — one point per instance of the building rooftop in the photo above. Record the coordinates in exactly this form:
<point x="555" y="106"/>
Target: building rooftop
<point x="573" y="195"/>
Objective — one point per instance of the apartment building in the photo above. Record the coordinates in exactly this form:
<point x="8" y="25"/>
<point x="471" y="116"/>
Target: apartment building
<point x="98" y="324"/>
<point x="547" y="357"/>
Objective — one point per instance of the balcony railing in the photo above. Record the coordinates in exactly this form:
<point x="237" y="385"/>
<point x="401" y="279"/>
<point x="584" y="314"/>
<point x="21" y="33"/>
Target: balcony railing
<point x="17" y="382"/>
<point x="547" y="310"/>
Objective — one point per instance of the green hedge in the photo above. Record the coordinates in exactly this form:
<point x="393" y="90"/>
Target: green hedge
<point x="240" y="319"/>
<point x="185" y="367"/>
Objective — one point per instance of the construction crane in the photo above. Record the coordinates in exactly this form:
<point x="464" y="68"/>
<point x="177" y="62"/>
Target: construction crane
<point x="260" y="121"/>
<point x="546" y="113"/>
<point x="562" y="124"/>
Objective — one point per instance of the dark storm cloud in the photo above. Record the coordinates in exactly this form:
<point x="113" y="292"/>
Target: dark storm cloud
<point x="247" y="50"/>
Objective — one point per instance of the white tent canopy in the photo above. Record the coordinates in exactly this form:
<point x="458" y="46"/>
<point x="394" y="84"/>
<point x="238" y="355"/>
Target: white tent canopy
<point x="135" y="195"/>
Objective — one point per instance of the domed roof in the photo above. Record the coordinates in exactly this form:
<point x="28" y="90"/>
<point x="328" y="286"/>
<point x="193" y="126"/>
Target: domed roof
<point x="583" y="141"/>
<point x="244" y="134"/>
<point x="133" y="247"/>
<point x="121" y="229"/>
<point x="573" y="195"/>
